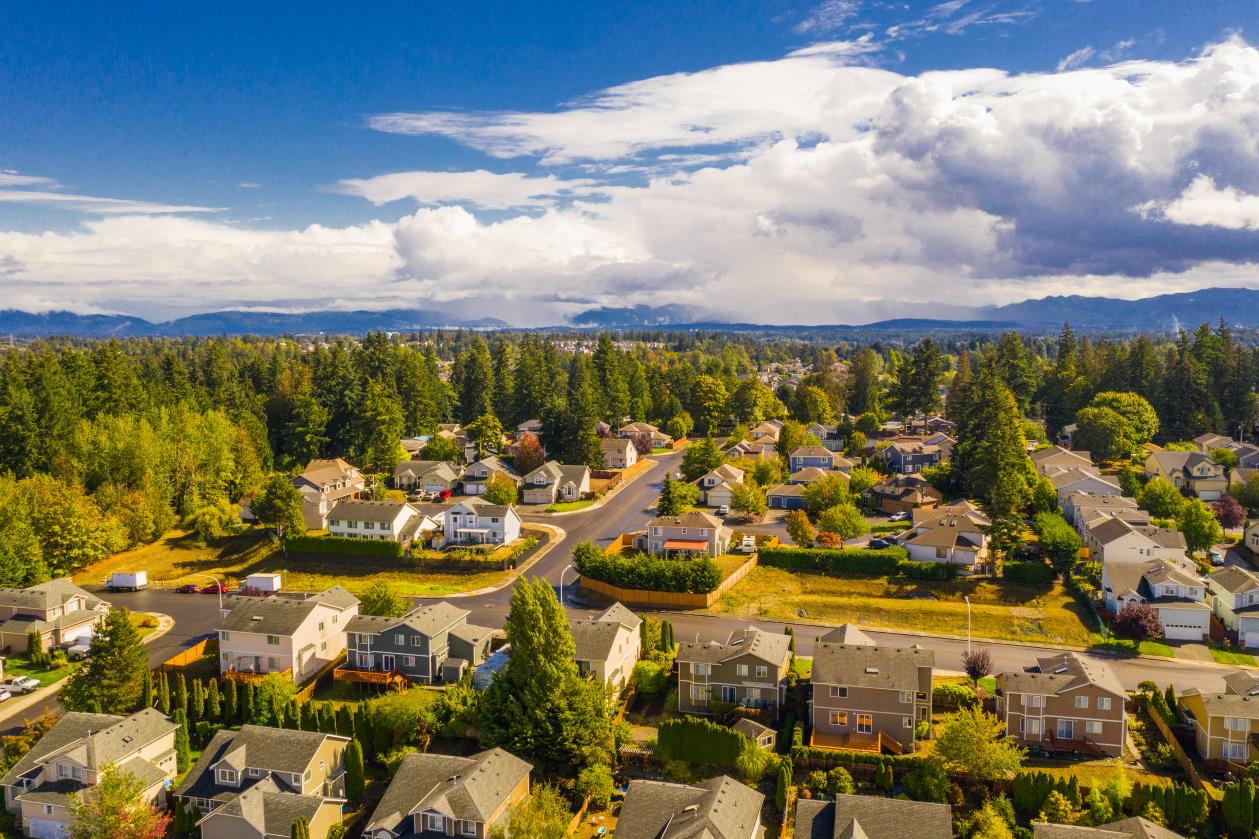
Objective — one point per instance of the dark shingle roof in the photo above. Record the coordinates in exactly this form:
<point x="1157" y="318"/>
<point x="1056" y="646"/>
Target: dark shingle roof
<point x="878" y="818"/>
<point x="724" y="809"/>
<point x="256" y="747"/>
<point x="864" y="665"/>
<point x="470" y="788"/>
<point x="268" y="809"/>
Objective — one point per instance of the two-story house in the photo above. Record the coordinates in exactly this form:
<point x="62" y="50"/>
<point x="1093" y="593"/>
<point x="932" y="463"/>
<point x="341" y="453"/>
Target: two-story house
<point x="818" y="457"/>
<point x="1053" y="459"/>
<point x="1115" y="540"/>
<point x="749" y="669"/>
<point x="956" y="534"/>
<point x="477" y="522"/>
<point x="1067" y="481"/>
<point x="1065" y="703"/>
<point x="1079" y="507"/>
<point x="69" y="759"/>
<point x="694" y="532"/>
<point x="476" y="475"/>
<point x="867" y="696"/>
<point x="322" y="484"/>
<point x="1171" y="589"/>
<point x="873" y="817"/>
<point x="717" y="487"/>
<point x="257" y="781"/>
<point x="719" y="808"/>
<point x="284" y="635"/>
<point x="1209" y="442"/>
<point x="1194" y="471"/>
<point x="608" y="645"/>
<point x="1224" y="724"/>
<point x="618" y="452"/>
<point x="766" y="430"/>
<point x="762" y="449"/>
<point x="632" y="429"/>
<point x="1234" y="597"/>
<point x="434" y="795"/>
<point x="428" y="644"/>
<point x="1251" y="539"/>
<point x="58" y="610"/>
<point x="904" y="494"/>
<point x="552" y="482"/>
<point x="427" y="475"/>
<point x="828" y="435"/>
<point x="392" y="521"/>
<point x="905" y="457"/>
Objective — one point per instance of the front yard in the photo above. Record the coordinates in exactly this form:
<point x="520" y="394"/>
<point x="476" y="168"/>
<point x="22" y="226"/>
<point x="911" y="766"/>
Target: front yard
<point x="1008" y="611"/>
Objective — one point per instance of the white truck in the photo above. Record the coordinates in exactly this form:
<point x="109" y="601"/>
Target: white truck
<point x="128" y="581"/>
<point x="265" y="583"/>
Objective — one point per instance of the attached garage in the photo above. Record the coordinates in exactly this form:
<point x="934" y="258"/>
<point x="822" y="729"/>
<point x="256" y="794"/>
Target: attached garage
<point x="46" y="829"/>
<point x="1185" y="622"/>
<point x="1248" y="632"/>
<point x="786" y="497"/>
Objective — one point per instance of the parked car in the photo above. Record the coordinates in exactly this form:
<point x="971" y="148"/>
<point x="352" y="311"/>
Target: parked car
<point x="442" y="496"/>
<point x="19" y="684"/>
<point x="217" y="588"/>
<point x="1217" y="558"/>
<point x="77" y="651"/>
<point x="4" y="694"/>
<point x="418" y="495"/>
<point x="188" y="588"/>
<point x="880" y="543"/>
<point x="723" y="510"/>
<point x="902" y="516"/>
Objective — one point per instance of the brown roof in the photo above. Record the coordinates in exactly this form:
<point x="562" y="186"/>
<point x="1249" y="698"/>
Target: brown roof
<point x="1055" y="674"/>
<point x="691" y="518"/>
<point x="865" y="665"/>
<point x="772" y="647"/>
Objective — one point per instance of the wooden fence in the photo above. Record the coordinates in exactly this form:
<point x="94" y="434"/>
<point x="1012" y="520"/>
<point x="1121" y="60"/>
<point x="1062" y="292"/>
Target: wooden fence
<point x="669" y="599"/>
<point x="324" y="674"/>
<point x="204" y="647"/>
<point x="1186" y="763"/>
<point x="576" y="822"/>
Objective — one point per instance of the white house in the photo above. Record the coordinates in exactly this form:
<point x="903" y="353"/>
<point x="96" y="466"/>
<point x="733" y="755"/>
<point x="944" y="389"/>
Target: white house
<point x="1067" y="481"/>
<point x="717" y="487"/>
<point x="477" y="522"/>
<point x="1080" y="505"/>
<point x="618" y="452"/>
<point x="393" y="521"/>
<point x="957" y="540"/>
<point x="1055" y="458"/>
<point x="1115" y="540"/>
<point x="282" y="634"/>
<point x="1234" y="596"/>
<point x="1171" y="589"/>
<point x="608" y="645"/>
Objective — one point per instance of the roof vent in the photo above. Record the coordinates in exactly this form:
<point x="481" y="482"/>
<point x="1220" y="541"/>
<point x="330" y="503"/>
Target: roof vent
<point x="1060" y="669"/>
<point x="256" y="618"/>
<point x="127" y="739"/>
<point x="872" y="671"/>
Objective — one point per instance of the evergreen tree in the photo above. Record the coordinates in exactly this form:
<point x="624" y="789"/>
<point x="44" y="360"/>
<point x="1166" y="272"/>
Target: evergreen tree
<point x="309" y="718"/>
<point x="213" y="701"/>
<point x="345" y="721"/>
<point x="180" y="698"/>
<point x="183" y="748"/>
<point x="248" y="713"/>
<point x="112" y="675"/>
<point x="613" y="385"/>
<point x="505" y="383"/>
<point x="301" y="829"/>
<point x="231" y="710"/>
<point x="916" y="389"/>
<point x="863" y="382"/>
<point x="1017" y="368"/>
<point x="377" y="427"/>
<point x="147" y="696"/>
<point x="163" y="693"/>
<point x="279" y="506"/>
<point x="1238" y="809"/>
<point x="473" y="379"/>
<point x="355" y="785"/>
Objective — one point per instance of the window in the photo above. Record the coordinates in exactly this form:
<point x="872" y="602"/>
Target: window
<point x="699" y="693"/>
<point x="1092" y="727"/>
<point x="47" y="809"/>
<point x="227" y="776"/>
<point x="754" y="694"/>
<point x="729" y="693"/>
<point x="907" y="697"/>
<point x="63" y="771"/>
<point x="762" y="671"/>
<point x="741" y="669"/>
<point x="907" y="722"/>
<point x="408" y="661"/>
<point x="839" y="718"/>
<point x="225" y="636"/>
<point x="226" y="656"/>
<point x="467" y="828"/>
<point x="334" y="619"/>
<point x="273" y="640"/>
<point x="400" y="639"/>
<point x="942" y="553"/>
<point x="321" y="626"/>
<point x="701" y="669"/>
<point x="1235" y="751"/>
<point x="415" y="640"/>
<point x="436" y="822"/>
<point x="1066" y="729"/>
<point x="838" y="692"/>
<point x="273" y="663"/>
<point x="1031" y="727"/>
<point x="865" y="723"/>
<point x="253" y="772"/>
<point x="1103" y="703"/>
<point x="1081" y="702"/>
<point x="1034" y="701"/>
<point x="323" y="646"/>
<point x="1237" y="724"/>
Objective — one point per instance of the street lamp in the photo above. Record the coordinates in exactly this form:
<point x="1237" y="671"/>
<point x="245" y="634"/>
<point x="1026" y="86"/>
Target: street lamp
<point x="562" y="573"/>
<point x="967" y="599"/>
<point x="219" y="587"/>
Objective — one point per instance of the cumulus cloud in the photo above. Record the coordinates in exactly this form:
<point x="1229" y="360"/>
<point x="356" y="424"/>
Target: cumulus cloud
<point x="1205" y="204"/>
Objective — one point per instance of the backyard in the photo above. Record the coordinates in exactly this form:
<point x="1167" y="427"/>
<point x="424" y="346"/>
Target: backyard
<point x="1009" y="611"/>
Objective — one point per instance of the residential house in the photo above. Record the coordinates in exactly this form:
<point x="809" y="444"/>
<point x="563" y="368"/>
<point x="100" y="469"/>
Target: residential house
<point x="763" y="449"/>
<point x="425" y="646"/>
<point x="785" y="497"/>
<point x="869" y="697"/>
<point x="1065" y="703"/>
<point x="762" y="735"/>
<point x="1208" y="442"/>
<point x="390" y="521"/>
<point x="1234" y="596"/>
<point x="1193" y="471"/>
<point x="476" y="476"/>
<point x="529" y="426"/>
<point x="428" y="475"/>
<point x="1224" y="724"/>
<point x="608" y="645"/>
<point x="767" y="430"/>
<point x="932" y="424"/>
<point x="658" y="438"/>
<point x="749" y="670"/>
<point x="719" y="808"/>
<point x="717" y="487"/>
<point x="1114" y="540"/>
<point x="872" y="817"/>
<point x="1247" y="458"/>
<point x="279" y="634"/>
<point x="322" y="484"/>
<point x="1172" y="589"/>
<point x="618" y="452"/>
<point x="69" y="758"/>
<point x="1069" y="480"/>
<point x="436" y="795"/>
<point x="1080" y="507"/>
<point x="907" y="456"/>
<point x="1136" y="827"/>
<point x="941" y="441"/>
<point x="413" y="446"/>
<point x="903" y="494"/>
<point x="828" y="436"/>
<point x="61" y="612"/>
<point x="809" y="474"/>
<point x="693" y="532"/>
<point x="1055" y="458"/>
<point x="477" y="522"/>
<point x="957" y="534"/>
<point x="1251" y="539"/>
<point x="257" y="781"/>
<point x="817" y="457"/>
<point x="552" y="482"/>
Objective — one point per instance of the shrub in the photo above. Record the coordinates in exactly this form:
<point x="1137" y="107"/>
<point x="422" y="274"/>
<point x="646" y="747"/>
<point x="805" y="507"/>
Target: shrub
<point x="344" y="545"/>
<point x="942" y="571"/>
<point x="649" y="679"/>
<point x="595" y="783"/>
<point x="652" y="573"/>
<point x="951" y="696"/>
<point x="1028" y="572"/>
<point x="699" y="741"/>
<point x="1139" y="621"/>
<point x="855" y="562"/>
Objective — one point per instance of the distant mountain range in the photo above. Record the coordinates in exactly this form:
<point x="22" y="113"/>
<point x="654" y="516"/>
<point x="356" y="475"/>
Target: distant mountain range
<point x="1163" y="313"/>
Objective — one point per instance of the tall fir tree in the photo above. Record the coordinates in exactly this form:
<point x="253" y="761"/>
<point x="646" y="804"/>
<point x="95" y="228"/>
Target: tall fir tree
<point x="112" y="675"/>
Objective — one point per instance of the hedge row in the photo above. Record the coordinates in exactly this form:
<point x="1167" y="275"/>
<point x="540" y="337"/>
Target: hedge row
<point x="345" y="545"/>
<point x="855" y="562"/>
<point x="801" y="754"/>
<point x="926" y="570"/>
<point x="651" y="573"/>
<point x="1028" y="572"/>
<point x="699" y="741"/>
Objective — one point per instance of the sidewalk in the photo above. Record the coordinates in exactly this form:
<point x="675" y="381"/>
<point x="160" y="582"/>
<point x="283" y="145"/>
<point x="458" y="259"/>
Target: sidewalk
<point x="15" y="706"/>
<point x="557" y="534"/>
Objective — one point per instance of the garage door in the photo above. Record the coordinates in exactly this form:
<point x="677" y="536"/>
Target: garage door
<point x="1250" y="639"/>
<point x="46" y="829"/>
<point x="1183" y="632"/>
<point x="1209" y="495"/>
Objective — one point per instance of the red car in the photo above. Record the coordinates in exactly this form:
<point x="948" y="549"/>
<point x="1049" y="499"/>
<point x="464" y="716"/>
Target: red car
<point x="214" y="589"/>
<point x="443" y="495"/>
<point x="188" y="588"/>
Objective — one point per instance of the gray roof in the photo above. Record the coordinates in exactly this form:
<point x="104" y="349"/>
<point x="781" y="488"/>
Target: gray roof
<point x="423" y="468"/>
<point x="872" y="666"/>
<point x="846" y="633"/>
<point x="691" y="518"/>
<point x="788" y="490"/>
<point x="723" y="809"/>
<point x="256" y="747"/>
<point x="280" y="615"/>
<point x="269" y="809"/>
<point x="44" y="596"/>
<point x="1132" y="828"/>
<point x="813" y="451"/>
<point x="70" y="729"/>
<point x="950" y="532"/>
<point x="1174" y="461"/>
<point x="772" y="647"/>
<point x="470" y="633"/>
<point x="469" y="788"/>
<point x="873" y="817"/>
<point x="359" y="509"/>
<point x="1241" y="682"/>
<point x="484" y="508"/>
<point x="1062" y="672"/>
<point x="1235" y="579"/>
<point x="426" y="620"/>
<point x="1116" y="528"/>
<point x="1072" y="475"/>
<point x="495" y="465"/>
<point x="1227" y="704"/>
<point x="751" y="728"/>
<point x="615" y="444"/>
<point x="595" y="636"/>
<point x="328" y="471"/>
<point x="1051" y="452"/>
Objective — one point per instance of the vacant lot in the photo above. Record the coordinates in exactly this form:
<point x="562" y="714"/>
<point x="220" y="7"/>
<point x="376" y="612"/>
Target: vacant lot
<point x="179" y="557"/>
<point x="1042" y="614"/>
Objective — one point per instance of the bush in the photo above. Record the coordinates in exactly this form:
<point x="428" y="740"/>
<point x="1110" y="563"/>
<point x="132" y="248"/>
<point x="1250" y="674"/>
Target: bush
<point x="951" y="696"/>
<point x="700" y="741"/>
<point x="1028" y="572"/>
<point x="651" y="573"/>
<point x="941" y="571"/>
<point x="595" y="783"/>
<point x="649" y="679"/>
<point x="857" y="562"/>
<point x="344" y="545"/>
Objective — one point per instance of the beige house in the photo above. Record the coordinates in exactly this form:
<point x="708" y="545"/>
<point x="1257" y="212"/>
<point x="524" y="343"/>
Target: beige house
<point x="322" y="484"/>
<point x="476" y="476"/>
<point x="392" y="521"/>
<point x="1067" y="481"/>
<point x="692" y="532"/>
<point x="428" y="475"/>
<point x="749" y="670"/>
<point x="58" y="610"/>
<point x="866" y="696"/>
<point x="70" y="757"/>
<point x="719" y="808"/>
<point x="255" y="782"/>
<point x="284" y="635"/>
<point x="1234" y="597"/>
<point x="632" y="429"/>
<point x="1115" y="540"/>
<point x="1194" y="471"/>
<point x="1224" y="723"/>
<point x="552" y="482"/>
<point x="1173" y="590"/>
<point x="1084" y="509"/>
<point x="1251" y="538"/>
<point x="1135" y="827"/>
<point x="608" y="645"/>
<point x="1053" y="459"/>
<point x="956" y="534"/>
<point x="767" y="430"/>
<point x="435" y="795"/>
<point x="904" y="494"/>
<point x="717" y="487"/>
<point x="618" y="452"/>
<point x="1066" y="703"/>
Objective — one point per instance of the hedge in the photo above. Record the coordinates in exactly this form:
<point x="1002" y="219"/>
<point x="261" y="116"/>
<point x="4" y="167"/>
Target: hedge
<point x="853" y="562"/>
<point x="829" y="757"/>
<point x="651" y="573"/>
<point x="344" y="545"/>
<point x="699" y="741"/>
<point x="1028" y="572"/>
<point x="926" y="570"/>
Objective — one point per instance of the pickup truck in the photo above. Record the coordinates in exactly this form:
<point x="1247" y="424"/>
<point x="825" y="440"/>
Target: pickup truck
<point x="19" y="684"/>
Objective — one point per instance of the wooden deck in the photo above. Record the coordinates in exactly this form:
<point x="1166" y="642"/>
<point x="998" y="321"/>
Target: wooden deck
<point x="849" y="741"/>
<point x="385" y="678"/>
<point x="250" y="676"/>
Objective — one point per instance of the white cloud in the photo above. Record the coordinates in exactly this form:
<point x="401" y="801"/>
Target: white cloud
<point x="828" y="16"/>
<point x="9" y="178"/>
<point x="95" y="204"/>
<point x="481" y="189"/>
<point x="1076" y="59"/>
<point x="1204" y="204"/>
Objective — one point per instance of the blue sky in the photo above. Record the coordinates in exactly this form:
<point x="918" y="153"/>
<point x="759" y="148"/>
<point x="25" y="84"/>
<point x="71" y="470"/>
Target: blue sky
<point x="532" y="160"/>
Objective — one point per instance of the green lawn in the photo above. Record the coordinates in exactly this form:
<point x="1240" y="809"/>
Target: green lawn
<point x="1095" y="772"/>
<point x="1126" y="646"/>
<point x="18" y="666"/>
<point x="661" y="450"/>
<point x="1233" y="657"/>
<point x="568" y="506"/>
<point x="1013" y="611"/>
<point x="889" y="527"/>
<point x="802" y="667"/>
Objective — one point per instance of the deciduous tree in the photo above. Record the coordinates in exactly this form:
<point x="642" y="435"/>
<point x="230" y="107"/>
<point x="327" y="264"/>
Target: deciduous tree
<point x="974" y="742"/>
<point x="799" y="528"/>
<point x="1199" y="525"/>
<point x="380" y="599"/>
<point x="279" y="506"/>
<point x="844" y="520"/>
<point x="115" y="808"/>
<point x="1140" y="622"/>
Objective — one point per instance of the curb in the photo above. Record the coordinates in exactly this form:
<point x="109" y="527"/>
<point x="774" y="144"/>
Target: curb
<point x="557" y="534"/>
<point x="611" y="494"/>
